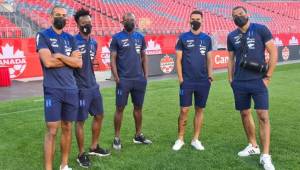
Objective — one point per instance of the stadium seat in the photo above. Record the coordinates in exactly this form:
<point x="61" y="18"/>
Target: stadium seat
<point x="163" y="16"/>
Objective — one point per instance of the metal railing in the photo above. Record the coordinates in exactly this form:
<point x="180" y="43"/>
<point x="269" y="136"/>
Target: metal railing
<point x="15" y="32"/>
<point x="22" y="29"/>
<point x="13" y="17"/>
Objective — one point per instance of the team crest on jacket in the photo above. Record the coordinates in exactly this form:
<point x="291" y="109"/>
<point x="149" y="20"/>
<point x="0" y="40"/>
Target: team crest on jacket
<point x="202" y="49"/>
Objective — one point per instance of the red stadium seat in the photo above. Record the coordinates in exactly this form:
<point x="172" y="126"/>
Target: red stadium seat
<point x="165" y="17"/>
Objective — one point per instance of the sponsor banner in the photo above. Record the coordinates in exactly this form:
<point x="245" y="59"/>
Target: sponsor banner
<point x="156" y="45"/>
<point x="287" y="39"/>
<point x="23" y="61"/>
<point x="167" y="64"/>
<point x="102" y="60"/>
<point x="153" y="47"/>
<point x="162" y="44"/>
<point x="220" y="59"/>
<point x="288" y="53"/>
<point x="285" y="53"/>
<point x="161" y="64"/>
<point x="20" y="56"/>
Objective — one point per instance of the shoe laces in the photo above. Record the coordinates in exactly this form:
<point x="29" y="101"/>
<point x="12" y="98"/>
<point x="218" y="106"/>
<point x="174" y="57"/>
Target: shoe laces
<point x="178" y="141"/>
<point x="117" y="141"/>
<point x="99" y="149"/>
<point x="84" y="157"/>
<point x="197" y="142"/>
<point x="249" y="147"/>
<point x="141" y="136"/>
<point x="267" y="160"/>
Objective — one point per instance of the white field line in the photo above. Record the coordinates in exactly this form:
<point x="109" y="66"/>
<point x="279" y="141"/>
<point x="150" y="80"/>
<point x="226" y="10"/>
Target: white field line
<point x="21" y="111"/>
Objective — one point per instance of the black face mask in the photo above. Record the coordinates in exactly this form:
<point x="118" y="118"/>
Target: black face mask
<point x="86" y="29"/>
<point x="240" y="21"/>
<point x="195" y="25"/>
<point x="59" y="23"/>
<point x="129" y="26"/>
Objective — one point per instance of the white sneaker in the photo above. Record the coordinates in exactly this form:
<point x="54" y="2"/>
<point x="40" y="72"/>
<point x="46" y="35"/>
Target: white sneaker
<point x="266" y="162"/>
<point x="65" y="168"/>
<point x="197" y="145"/>
<point x="249" y="150"/>
<point x="178" y="144"/>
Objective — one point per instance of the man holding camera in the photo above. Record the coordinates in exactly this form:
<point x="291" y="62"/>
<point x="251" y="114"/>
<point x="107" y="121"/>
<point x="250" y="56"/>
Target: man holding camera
<point x="249" y="75"/>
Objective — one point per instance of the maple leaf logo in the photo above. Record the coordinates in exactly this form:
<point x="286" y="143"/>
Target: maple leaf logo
<point x="14" y="60"/>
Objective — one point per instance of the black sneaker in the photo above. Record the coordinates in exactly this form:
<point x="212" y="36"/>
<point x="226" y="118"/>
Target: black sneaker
<point x="84" y="160"/>
<point x="141" y="139"/>
<point x="99" y="151"/>
<point x="117" y="144"/>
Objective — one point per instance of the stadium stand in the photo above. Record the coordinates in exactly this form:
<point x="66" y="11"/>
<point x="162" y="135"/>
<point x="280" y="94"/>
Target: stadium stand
<point x="288" y="9"/>
<point x="157" y="16"/>
<point x="8" y="29"/>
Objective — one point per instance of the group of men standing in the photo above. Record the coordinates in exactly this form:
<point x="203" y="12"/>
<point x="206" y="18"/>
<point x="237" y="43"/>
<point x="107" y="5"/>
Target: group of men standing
<point x="71" y="92"/>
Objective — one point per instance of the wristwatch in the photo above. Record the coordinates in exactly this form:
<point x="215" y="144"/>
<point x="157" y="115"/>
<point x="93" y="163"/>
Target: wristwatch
<point x="210" y="78"/>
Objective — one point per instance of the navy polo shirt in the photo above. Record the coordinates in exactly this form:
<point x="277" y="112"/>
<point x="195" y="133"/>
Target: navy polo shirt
<point x="128" y="47"/>
<point x="194" y="55"/>
<point x="85" y="76"/>
<point x="65" y="44"/>
<point x="257" y="35"/>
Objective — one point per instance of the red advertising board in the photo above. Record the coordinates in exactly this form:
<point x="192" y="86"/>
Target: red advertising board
<point x="23" y="61"/>
<point x="20" y="56"/>
<point x="220" y="59"/>
<point x="287" y="39"/>
<point x="102" y="60"/>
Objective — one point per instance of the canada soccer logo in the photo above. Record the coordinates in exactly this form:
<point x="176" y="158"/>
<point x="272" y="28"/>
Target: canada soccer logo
<point x="285" y="53"/>
<point x="15" y="60"/>
<point x="167" y="64"/>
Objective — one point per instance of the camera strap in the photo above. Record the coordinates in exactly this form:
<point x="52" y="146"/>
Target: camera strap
<point x="244" y="45"/>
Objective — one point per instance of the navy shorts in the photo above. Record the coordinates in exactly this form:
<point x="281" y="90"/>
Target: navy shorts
<point x="200" y="90"/>
<point x="60" y="104"/>
<point x="136" y="88"/>
<point x="245" y="90"/>
<point x="90" y="102"/>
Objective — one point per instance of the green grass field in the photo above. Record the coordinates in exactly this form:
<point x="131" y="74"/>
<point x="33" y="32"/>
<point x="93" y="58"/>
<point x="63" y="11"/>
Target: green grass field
<point x="22" y="130"/>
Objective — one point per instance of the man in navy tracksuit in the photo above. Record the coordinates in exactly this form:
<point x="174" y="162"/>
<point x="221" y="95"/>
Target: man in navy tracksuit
<point x="248" y="43"/>
<point x="59" y="57"/>
<point x="90" y="99"/>
<point x="129" y="68"/>
<point x="194" y="68"/>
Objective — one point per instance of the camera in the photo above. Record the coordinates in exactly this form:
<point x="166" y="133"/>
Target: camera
<point x="254" y="66"/>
